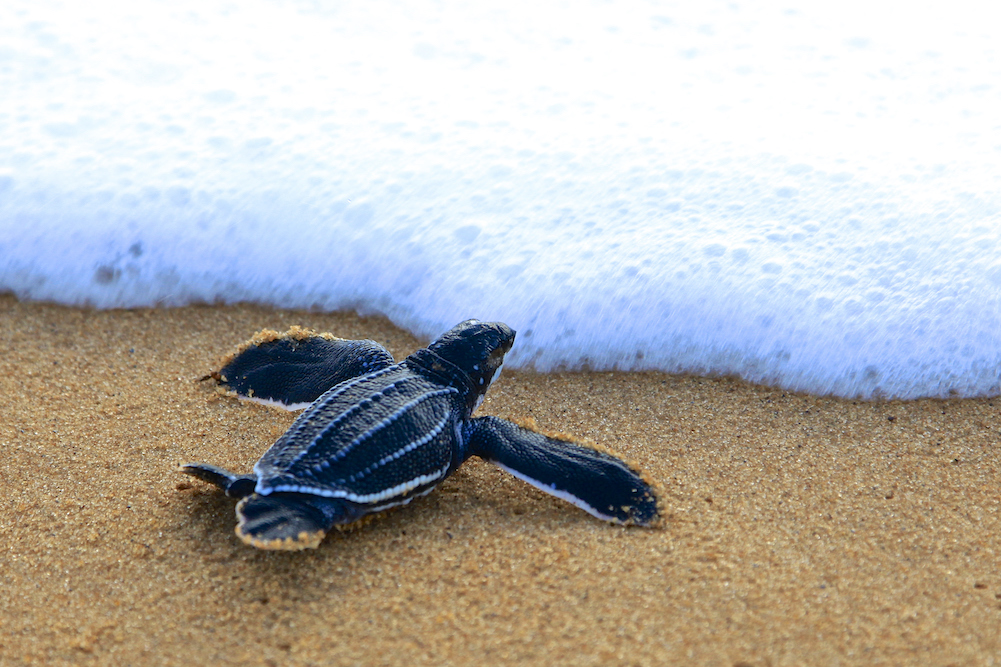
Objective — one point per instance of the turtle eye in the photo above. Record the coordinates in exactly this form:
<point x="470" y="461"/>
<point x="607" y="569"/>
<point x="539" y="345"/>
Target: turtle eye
<point x="496" y="358"/>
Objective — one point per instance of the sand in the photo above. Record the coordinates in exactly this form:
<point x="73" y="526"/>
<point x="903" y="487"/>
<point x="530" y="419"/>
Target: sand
<point x="800" y="530"/>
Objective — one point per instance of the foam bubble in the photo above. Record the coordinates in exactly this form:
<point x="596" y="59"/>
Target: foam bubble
<point x="785" y="197"/>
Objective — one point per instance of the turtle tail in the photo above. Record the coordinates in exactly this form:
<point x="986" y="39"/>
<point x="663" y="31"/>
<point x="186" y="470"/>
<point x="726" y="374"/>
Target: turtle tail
<point x="289" y="521"/>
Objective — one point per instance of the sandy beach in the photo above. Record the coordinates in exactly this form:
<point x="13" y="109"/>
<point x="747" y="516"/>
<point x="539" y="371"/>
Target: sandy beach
<point x="800" y="530"/>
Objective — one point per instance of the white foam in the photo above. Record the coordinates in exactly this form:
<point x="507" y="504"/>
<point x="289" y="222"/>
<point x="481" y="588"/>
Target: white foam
<point x="806" y="198"/>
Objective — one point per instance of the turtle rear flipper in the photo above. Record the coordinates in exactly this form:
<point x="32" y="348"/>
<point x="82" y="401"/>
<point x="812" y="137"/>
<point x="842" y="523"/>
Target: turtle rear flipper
<point x="294" y="368"/>
<point x="235" y="486"/>
<point x="594" y="480"/>
<point x="289" y="521"/>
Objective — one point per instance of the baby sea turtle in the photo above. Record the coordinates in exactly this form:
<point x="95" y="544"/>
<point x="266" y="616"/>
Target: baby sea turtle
<point x="376" y="434"/>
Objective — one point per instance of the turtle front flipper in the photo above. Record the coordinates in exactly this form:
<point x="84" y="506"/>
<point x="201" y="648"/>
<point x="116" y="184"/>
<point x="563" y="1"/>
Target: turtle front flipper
<point x="593" y="479"/>
<point x="235" y="486"/>
<point x="290" y="521"/>
<point x="294" y="368"/>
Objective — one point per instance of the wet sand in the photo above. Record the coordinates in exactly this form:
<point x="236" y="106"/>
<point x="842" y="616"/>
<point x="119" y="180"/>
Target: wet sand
<point x="800" y="530"/>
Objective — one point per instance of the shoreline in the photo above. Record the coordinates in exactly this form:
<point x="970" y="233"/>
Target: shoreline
<point x="799" y="529"/>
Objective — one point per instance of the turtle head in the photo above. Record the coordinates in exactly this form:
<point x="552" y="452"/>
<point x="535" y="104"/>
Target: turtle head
<point x="478" y="348"/>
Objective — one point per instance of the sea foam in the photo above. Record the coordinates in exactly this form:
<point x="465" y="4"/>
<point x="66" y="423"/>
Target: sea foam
<point x="801" y="198"/>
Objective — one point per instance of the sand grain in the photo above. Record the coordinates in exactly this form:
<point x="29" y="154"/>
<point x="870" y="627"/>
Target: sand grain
<point x="801" y="530"/>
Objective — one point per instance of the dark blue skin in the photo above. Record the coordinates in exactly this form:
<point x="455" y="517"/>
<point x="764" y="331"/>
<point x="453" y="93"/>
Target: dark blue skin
<point x="377" y="434"/>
